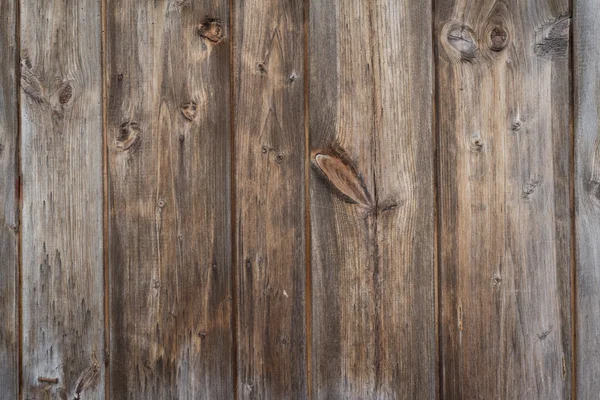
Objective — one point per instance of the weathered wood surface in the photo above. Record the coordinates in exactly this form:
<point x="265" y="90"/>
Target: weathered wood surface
<point x="586" y="86"/>
<point x="9" y="218"/>
<point x="504" y="156"/>
<point x="270" y="209"/>
<point x="301" y="199"/>
<point x="168" y="139"/>
<point x="61" y="156"/>
<point x="372" y="200"/>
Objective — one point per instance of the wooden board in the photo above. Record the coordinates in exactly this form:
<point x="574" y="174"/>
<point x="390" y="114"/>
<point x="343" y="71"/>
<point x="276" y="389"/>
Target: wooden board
<point x="270" y="208"/>
<point x="586" y="59"/>
<point x="372" y="200"/>
<point x="9" y="212"/>
<point x="504" y="140"/>
<point x="61" y="156"/>
<point x="169" y="199"/>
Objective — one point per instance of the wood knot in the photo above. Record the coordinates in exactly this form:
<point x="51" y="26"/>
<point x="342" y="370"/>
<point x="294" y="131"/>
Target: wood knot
<point x="261" y="67"/>
<point x="498" y="39"/>
<point x="476" y="144"/>
<point x="278" y="159"/>
<point x="516" y="125"/>
<point x="462" y="39"/>
<point x="189" y="110"/>
<point x="129" y="136"/>
<point x="120" y="77"/>
<point x="65" y="94"/>
<point x="211" y="29"/>
<point x="341" y="174"/>
<point x="530" y="187"/>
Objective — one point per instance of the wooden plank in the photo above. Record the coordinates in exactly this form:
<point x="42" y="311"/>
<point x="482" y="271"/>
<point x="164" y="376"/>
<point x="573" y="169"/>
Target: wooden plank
<point x="270" y="209"/>
<point x="169" y="199"/>
<point x="372" y="200"/>
<point x="61" y="150"/>
<point x="586" y="59"/>
<point x="504" y="140"/>
<point x="9" y="212"/>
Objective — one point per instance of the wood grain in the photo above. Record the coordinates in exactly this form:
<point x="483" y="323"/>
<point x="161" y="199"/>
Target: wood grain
<point x="372" y="200"/>
<point x="504" y="140"/>
<point x="270" y="209"/>
<point x="169" y="199"/>
<point x="61" y="150"/>
<point x="9" y="212"/>
<point x="586" y="59"/>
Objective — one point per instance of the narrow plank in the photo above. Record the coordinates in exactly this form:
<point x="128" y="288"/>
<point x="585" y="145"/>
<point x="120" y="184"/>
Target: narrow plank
<point x="586" y="59"/>
<point x="9" y="213"/>
<point x="270" y="209"/>
<point x="61" y="150"/>
<point x="169" y="199"/>
<point x="372" y="200"/>
<point x="504" y="140"/>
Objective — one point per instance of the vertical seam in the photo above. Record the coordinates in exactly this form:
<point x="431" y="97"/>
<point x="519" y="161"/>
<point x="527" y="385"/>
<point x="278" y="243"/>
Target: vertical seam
<point x="307" y="210"/>
<point x="572" y="213"/>
<point x="233" y="205"/>
<point x="105" y="227"/>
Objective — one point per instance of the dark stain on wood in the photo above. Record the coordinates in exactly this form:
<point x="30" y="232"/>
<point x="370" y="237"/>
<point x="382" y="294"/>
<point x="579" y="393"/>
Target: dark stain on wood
<point x="552" y="38"/>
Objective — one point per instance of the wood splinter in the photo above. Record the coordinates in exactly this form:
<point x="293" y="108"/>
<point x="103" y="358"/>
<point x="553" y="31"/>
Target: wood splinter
<point x="47" y="380"/>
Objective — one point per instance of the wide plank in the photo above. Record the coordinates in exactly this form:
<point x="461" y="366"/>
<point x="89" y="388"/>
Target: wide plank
<point x="61" y="156"/>
<point x="168" y="141"/>
<point x="503" y="115"/>
<point x="269" y="151"/>
<point x="9" y="212"/>
<point x="372" y="200"/>
<point x="586" y="67"/>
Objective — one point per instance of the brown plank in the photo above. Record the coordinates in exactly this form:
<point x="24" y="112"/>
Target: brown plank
<point x="270" y="209"/>
<point x="169" y="204"/>
<point x="586" y="67"/>
<point x="9" y="213"/>
<point x="372" y="200"/>
<point x="504" y="153"/>
<point x="61" y="150"/>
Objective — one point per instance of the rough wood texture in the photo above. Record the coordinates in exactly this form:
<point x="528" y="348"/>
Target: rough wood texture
<point x="61" y="149"/>
<point x="504" y="148"/>
<point x="270" y="208"/>
<point x="586" y="58"/>
<point x="9" y="218"/>
<point x="169" y="203"/>
<point x="372" y="200"/>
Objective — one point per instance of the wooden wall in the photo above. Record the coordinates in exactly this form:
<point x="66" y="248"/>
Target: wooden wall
<point x="259" y="199"/>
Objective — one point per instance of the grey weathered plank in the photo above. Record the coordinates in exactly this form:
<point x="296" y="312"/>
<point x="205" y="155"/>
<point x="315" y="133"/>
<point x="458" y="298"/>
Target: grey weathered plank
<point x="372" y="200"/>
<point x="9" y="218"/>
<point x="61" y="150"/>
<point x="586" y="59"/>
<point x="504" y="140"/>
<point x="169" y="199"/>
<point x="270" y="209"/>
